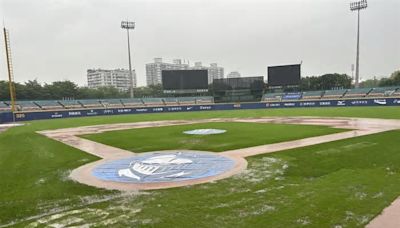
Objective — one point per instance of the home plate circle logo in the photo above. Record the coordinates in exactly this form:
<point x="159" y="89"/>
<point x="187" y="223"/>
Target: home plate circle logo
<point x="158" y="167"/>
<point x="205" y="132"/>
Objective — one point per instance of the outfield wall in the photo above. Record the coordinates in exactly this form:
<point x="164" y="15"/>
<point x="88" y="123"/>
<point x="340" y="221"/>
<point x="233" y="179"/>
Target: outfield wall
<point x="38" y="115"/>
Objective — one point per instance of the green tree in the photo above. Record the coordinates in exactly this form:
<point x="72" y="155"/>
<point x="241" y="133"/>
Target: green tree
<point x="370" y="83"/>
<point x="60" y="90"/>
<point x="4" y="91"/>
<point x="32" y="90"/>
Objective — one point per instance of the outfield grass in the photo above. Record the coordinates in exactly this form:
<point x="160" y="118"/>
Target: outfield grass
<point x="237" y="135"/>
<point x="340" y="183"/>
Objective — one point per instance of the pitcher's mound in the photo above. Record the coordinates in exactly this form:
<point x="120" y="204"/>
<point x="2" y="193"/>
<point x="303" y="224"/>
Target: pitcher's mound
<point x="204" y="132"/>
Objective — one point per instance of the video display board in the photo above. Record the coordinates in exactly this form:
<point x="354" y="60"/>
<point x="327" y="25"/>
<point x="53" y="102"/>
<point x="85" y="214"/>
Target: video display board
<point x="284" y="75"/>
<point x="176" y="81"/>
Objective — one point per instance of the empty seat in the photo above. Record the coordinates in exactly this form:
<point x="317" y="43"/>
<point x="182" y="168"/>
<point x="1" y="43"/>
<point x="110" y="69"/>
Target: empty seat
<point x="111" y="103"/>
<point x="153" y="101"/>
<point x="310" y="95"/>
<point x="26" y="106"/>
<point x="90" y="103"/>
<point x="4" y="107"/>
<point x="360" y="92"/>
<point x="381" y="91"/>
<point x="49" y="104"/>
<point x="132" y="102"/>
<point x="396" y="93"/>
<point x="334" y="93"/>
<point x="171" y="101"/>
<point x="272" y="97"/>
<point x="186" y="100"/>
<point x="205" y="100"/>
<point x="71" y="104"/>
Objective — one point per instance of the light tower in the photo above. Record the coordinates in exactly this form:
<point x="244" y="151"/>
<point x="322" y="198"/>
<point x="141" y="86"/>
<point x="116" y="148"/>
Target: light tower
<point x="129" y="25"/>
<point x="357" y="6"/>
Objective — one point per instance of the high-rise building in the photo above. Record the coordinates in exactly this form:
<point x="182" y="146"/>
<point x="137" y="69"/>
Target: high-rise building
<point x="215" y="72"/>
<point x="153" y="70"/>
<point x="118" y="78"/>
<point x="233" y="74"/>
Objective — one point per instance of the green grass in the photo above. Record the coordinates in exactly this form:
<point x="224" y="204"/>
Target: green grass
<point x="343" y="183"/>
<point x="237" y="135"/>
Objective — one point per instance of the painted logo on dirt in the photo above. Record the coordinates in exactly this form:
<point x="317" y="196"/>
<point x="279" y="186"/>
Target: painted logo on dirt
<point x="164" y="167"/>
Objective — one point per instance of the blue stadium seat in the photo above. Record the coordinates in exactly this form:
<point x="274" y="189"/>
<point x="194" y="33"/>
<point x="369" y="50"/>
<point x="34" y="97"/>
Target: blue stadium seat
<point x="396" y="93"/>
<point x="381" y="91"/>
<point x="272" y="97"/>
<point x="153" y="101"/>
<point x="132" y="102"/>
<point x="311" y="95"/>
<point x="70" y="104"/>
<point x="186" y="100"/>
<point x="49" y="104"/>
<point x="170" y="101"/>
<point x="360" y="92"/>
<point x="204" y="100"/>
<point x="90" y="103"/>
<point x="111" y="103"/>
<point x="334" y="93"/>
<point x="4" y="107"/>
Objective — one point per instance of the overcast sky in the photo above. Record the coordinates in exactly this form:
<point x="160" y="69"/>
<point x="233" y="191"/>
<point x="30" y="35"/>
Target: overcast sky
<point x="60" y="39"/>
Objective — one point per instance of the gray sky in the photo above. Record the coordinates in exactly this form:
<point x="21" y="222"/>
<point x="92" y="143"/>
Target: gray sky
<point x="60" y="39"/>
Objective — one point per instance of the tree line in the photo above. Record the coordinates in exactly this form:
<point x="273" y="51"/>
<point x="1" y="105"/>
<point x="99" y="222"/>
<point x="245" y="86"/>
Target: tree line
<point x="33" y="90"/>
<point x="343" y="81"/>
<point x="393" y="80"/>
<point x="59" y="90"/>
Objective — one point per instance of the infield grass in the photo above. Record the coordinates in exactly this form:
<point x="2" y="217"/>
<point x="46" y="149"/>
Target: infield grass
<point x="338" y="184"/>
<point x="237" y="135"/>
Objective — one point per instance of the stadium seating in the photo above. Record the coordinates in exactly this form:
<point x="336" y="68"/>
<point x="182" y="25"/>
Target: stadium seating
<point x="204" y="100"/>
<point x="26" y="106"/>
<point x="334" y="93"/>
<point x="48" y="104"/>
<point x="4" y="107"/>
<point x="90" y="103"/>
<point x="132" y="102"/>
<point x="186" y="100"/>
<point x="360" y="92"/>
<point x="153" y="101"/>
<point x="111" y="103"/>
<point x="141" y="102"/>
<point x="396" y="93"/>
<point x="311" y="95"/>
<point x="381" y="92"/>
<point x="170" y="101"/>
<point x="70" y="104"/>
<point x="273" y="96"/>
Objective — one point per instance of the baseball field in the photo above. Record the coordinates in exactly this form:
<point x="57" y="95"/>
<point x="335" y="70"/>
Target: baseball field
<point x="343" y="183"/>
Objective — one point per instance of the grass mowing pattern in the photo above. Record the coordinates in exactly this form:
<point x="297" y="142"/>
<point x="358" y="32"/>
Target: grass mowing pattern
<point x="33" y="182"/>
<point x="238" y="135"/>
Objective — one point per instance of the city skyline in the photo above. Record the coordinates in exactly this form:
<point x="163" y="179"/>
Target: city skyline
<point x="57" y="40"/>
<point x="154" y="69"/>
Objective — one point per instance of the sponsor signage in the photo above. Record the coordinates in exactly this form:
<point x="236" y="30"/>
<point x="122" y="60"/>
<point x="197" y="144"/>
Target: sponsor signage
<point x="25" y="116"/>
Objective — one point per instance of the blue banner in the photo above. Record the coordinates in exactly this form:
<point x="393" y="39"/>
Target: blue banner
<point x="38" y="115"/>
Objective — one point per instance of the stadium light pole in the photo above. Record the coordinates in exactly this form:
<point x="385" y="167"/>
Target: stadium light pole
<point x="357" y="6"/>
<point x="129" y="25"/>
